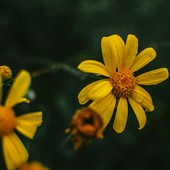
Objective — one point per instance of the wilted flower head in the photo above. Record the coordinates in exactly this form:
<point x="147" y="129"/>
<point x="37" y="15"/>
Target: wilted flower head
<point x="86" y="125"/>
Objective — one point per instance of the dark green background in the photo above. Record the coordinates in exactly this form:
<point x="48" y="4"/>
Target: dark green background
<point x="57" y="35"/>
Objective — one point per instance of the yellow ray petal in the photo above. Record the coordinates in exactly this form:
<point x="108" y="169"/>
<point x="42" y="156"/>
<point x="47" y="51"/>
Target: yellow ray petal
<point x="112" y="50"/>
<point x="27" y="124"/>
<point x="153" y="77"/>
<point x="141" y="96"/>
<point x="95" y="91"/>
<point x="18" y="89"/>
<point x="131" y="49"/>
<point x="143" y="58"/>
<point x="14" y="151"/>
<point x="104" y="107"/>
<point x="121" y="116"/>
<point x="139" y="112"/>
<point x="91" y="66"/>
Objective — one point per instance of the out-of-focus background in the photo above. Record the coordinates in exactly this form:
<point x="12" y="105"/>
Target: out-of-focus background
<point x="50" y="38"/>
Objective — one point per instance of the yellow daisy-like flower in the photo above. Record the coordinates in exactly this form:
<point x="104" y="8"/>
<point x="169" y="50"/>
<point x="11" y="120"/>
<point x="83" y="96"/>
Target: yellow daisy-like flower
<point x="14" y="151"/>
<point x="34" y="165"/>
<point x="120" y="85"/>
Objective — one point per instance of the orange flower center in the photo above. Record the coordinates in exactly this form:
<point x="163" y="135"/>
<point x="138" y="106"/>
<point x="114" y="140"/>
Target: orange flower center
<point x="123" y="83"/>
<point x="7" y="120"/>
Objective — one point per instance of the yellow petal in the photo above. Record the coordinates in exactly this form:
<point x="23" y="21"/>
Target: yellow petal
<point x="112" y="50"/>
<point x="14" y="151"/>
<point x="18" y="89"/>
<point x="27" y="124"/>
<point x="95" y="91"/>
<point x="139" y="112"/>
<point x="91" y="66"/>
<point x="131" y="49"/>
<point x="121" y="116"/>
<point x="143" y="58"/>
<point x="105" y="107"/>
<point x="141" y="96"/>
<point x="153" y="77"/>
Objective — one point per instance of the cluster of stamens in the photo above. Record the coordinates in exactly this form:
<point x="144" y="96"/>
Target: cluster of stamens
<point x="123" y="83"/>
<point x="5" y="72"/>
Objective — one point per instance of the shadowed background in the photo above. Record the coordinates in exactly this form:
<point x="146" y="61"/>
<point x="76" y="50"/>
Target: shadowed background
<point x="50" y="38"/>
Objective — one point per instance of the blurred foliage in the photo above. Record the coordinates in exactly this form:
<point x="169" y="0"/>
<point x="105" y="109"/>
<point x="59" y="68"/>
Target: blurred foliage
<point x="50" y="38"/>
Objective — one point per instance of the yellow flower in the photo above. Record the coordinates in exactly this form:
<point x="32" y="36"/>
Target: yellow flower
<point x="14" y="151"/>
<point x="34" y="165"/>
<point x="119" y="84"/>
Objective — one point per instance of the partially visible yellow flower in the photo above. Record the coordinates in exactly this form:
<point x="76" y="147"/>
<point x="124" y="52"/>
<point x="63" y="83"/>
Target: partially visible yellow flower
<point x="14" y="151"/>
<point x="120" y="85"/>
<point x="34" y="165"/>
<point x="86" y="125"/>
<point x="5" y="72"/>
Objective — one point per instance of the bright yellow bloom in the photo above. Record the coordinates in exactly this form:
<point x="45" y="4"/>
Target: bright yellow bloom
<point x="120" y="85"/>
<point x="14" y="151"/>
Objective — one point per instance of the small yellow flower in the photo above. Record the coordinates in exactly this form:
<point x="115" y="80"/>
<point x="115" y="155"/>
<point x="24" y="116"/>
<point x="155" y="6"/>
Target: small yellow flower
<point x="120" y="84"/>
<point x="86" y="125"/>
<point x="14" y="151"/>
<point x="34" y="165"/>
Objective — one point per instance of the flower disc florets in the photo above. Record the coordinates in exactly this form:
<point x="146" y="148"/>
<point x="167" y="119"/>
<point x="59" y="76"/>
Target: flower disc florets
<point x="5" y="72"/>
<point x="123" y="83"/>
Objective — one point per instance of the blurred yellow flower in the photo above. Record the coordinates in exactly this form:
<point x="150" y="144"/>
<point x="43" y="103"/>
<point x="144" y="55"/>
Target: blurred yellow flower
<point x="34" y="165"/>
<point x="85" y="126"/>
<point x="120" y="85"/>
<point x="14" y="151"/>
